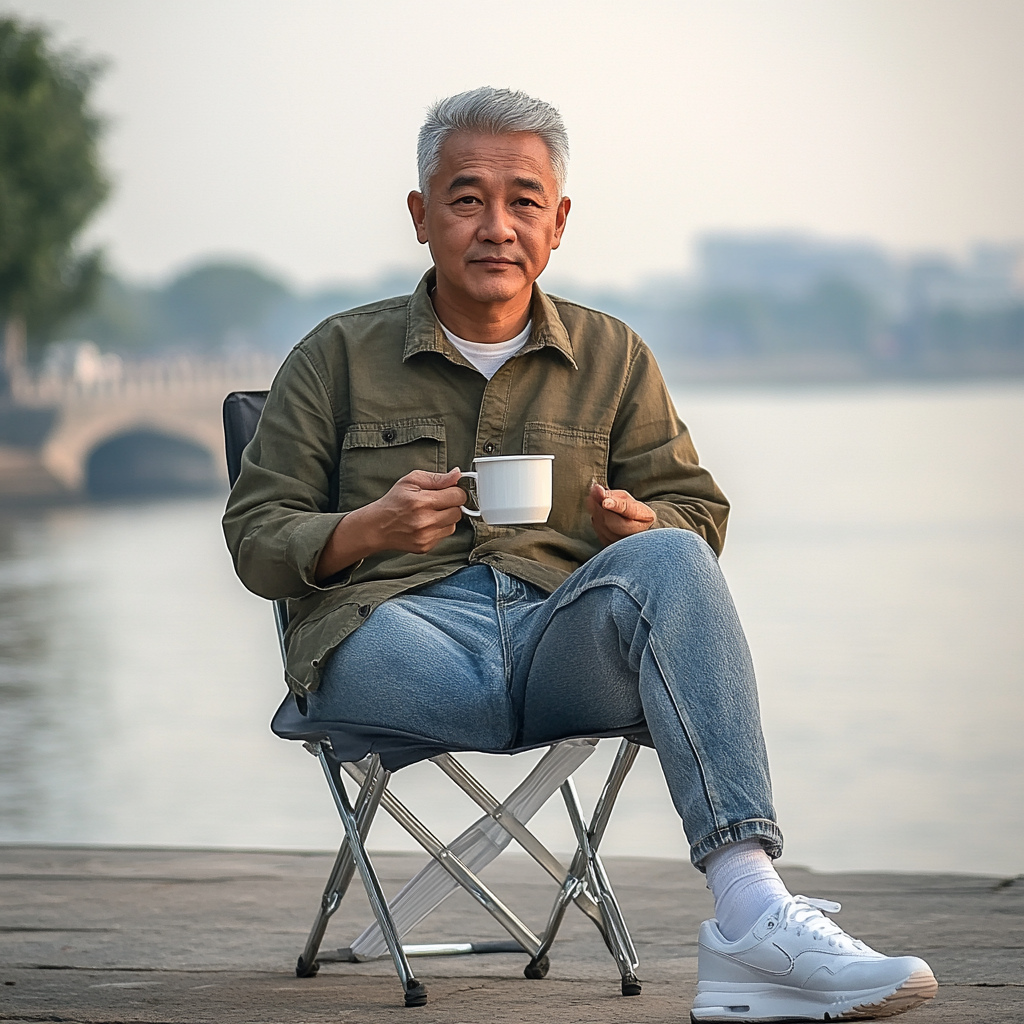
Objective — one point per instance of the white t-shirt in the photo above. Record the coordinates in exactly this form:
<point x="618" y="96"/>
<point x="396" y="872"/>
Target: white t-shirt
<point x="489" y="358"/>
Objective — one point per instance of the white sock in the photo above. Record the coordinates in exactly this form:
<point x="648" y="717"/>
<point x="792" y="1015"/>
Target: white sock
<point x="744" y="882"/>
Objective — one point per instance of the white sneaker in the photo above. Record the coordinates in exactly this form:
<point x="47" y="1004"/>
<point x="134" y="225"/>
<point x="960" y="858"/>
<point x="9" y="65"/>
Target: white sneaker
<point x="796" y="964"/>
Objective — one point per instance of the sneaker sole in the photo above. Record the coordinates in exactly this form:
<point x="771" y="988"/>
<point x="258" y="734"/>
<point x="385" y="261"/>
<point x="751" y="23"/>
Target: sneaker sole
<point x="921" y="985"/>
<point x="777" y="1003"/>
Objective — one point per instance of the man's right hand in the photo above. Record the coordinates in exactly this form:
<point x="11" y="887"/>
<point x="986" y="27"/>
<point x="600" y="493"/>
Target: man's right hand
<point x="417" y="513"/>
<point x="420" y="510"/>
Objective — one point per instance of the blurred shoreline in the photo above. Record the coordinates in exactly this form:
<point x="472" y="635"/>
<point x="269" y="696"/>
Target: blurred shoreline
<point x="151" y="428"/>
<point x="829" y="368"/>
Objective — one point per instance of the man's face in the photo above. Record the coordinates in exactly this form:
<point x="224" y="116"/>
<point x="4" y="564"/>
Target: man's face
<point x="493" y="216"/>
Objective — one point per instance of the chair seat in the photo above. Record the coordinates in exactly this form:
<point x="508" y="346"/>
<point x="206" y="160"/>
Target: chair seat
<point x="398" y="749"/>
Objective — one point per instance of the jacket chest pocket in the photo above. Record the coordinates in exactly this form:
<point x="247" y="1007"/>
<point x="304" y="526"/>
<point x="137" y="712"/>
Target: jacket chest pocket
<point x="581" y="456"/>
<point x="374" y="456"/>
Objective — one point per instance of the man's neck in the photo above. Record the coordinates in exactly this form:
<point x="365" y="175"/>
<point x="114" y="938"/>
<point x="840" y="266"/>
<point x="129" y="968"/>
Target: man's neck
<point x="486" y="323"/>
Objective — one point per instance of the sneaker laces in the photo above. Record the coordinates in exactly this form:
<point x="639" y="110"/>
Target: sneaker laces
<point x="803" y="914"/>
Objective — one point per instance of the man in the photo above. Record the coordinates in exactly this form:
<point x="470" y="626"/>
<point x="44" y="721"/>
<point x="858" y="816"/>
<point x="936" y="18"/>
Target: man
<point x="611" y="615"/>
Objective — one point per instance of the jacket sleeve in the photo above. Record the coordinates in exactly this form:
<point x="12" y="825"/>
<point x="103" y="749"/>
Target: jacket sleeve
<point x="651" y="456"/>
<point x="279" y="514"/>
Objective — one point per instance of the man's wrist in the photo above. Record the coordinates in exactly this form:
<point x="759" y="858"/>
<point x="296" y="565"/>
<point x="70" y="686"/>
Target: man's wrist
<point x="351" y="541"/>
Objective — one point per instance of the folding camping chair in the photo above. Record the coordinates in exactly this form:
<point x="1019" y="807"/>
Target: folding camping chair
<point x="458" y="863"/>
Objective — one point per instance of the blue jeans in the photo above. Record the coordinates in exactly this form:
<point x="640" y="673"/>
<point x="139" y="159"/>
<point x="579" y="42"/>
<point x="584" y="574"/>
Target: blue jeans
<point x="645" y="631"/>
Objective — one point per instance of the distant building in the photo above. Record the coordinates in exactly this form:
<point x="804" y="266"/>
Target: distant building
<point x="791" y="266"/>
<point x="992" y="279"/>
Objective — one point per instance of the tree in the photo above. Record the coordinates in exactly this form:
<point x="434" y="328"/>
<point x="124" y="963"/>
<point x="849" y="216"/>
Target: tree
<point x="51" y="182"/>
<point x="210" y="303"/>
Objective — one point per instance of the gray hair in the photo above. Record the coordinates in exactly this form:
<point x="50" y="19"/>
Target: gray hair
<point x="490" y="111"/>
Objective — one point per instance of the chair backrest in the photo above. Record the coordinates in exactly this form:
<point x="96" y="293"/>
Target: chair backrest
<point x="242" y="411"/>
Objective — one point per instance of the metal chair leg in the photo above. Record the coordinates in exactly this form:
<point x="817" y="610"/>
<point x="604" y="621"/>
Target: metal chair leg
<point x="624" y="760"/>
<point x="338" y="881"/>
<point x="614" y="932"/>
<point x="415" y="991"/>
<point x="587" y="872"/>
<point x="572" y="889"/>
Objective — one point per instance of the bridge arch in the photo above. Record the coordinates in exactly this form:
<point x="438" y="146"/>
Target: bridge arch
<point x="176" y="397"/>
<point x="142" y="462"/>
<point x="82" y="434"/>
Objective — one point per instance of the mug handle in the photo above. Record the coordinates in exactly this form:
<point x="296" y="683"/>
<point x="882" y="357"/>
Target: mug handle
<point x="469" y="511"/>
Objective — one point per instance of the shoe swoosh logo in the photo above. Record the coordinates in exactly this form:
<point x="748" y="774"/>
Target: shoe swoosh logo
<point x="779" y="963"/>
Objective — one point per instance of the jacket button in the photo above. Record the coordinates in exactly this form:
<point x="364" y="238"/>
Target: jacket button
<point x="489" y="447"/>
<point x="387" y="436"/>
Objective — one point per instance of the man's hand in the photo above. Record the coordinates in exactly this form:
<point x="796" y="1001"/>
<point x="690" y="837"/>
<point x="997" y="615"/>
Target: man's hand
<point x="617" y="514"/>
<point x="420" y="510"/>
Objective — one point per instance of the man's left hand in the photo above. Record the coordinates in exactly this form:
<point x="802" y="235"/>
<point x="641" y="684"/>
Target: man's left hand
<point x="617" y="514"/>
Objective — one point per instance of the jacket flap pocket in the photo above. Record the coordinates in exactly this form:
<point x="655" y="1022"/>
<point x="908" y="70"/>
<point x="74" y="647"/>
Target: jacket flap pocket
<point x="535" y="433"/>
<point x="387" y="435"/>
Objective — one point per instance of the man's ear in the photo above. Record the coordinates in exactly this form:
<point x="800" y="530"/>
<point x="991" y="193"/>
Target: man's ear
<point x="418" y="212"/>
<point x="561" y="216"/>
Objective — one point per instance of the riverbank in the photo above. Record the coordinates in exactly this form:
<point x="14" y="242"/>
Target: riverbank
<point x="110" y="935"/>
<point x="841" y="369"/>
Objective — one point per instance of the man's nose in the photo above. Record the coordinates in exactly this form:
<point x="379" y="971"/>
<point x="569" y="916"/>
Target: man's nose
<point x="496" y="225"/>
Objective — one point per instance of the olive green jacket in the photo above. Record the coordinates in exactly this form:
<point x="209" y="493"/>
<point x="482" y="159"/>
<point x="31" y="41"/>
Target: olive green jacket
<point x="376" y="392"/>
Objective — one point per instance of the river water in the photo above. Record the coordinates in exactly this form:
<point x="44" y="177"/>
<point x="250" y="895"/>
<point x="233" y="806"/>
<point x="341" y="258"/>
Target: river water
<point x="876" y="554"/>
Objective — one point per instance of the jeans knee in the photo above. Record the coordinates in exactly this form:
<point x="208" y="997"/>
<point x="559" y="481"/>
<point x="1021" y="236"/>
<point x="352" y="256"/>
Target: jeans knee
<point x="659" y="549"/>
<point x="669" y="561"/>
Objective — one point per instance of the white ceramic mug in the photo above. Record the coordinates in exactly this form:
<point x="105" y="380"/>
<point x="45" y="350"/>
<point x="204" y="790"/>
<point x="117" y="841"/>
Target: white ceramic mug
<point x="512" y="489"/>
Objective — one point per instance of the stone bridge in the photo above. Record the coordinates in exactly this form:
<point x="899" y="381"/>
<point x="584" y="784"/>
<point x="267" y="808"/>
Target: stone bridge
<point x="52" y="433"/>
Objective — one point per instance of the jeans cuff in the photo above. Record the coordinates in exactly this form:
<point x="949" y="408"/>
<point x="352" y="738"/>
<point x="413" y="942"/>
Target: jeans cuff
<point x="753" y="828"/>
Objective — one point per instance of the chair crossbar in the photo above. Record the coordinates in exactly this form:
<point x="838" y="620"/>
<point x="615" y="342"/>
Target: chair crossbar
<point x="497" y="813"/>
<point x="463" y="875"/>
<point x="479" y="844"/>
<point x="461" y="948"/>
<point x="516" y="829"/>
<point x="413" y="950"/>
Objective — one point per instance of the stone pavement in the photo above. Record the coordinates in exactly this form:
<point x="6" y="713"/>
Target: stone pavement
<point x="97" y="935"/>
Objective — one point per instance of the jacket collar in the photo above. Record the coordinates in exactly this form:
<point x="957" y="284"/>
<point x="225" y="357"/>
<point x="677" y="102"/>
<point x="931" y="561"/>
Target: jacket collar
<point x="423" y="330"/>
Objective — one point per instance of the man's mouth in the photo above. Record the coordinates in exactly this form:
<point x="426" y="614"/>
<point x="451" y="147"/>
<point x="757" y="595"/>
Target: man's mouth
<point x="498" y="261"/>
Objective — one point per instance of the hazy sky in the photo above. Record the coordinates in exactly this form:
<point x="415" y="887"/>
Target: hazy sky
<point x="284" y="130"/>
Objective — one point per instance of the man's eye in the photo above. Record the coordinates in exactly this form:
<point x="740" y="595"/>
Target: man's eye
<point x="525" y="202"/>
<point x="467" y="200"/>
